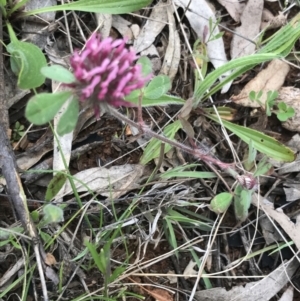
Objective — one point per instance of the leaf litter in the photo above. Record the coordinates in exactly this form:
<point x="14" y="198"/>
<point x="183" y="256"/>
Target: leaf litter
<point x="113" y="173"/>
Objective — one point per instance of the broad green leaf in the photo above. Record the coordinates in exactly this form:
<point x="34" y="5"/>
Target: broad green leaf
<point x="52" y="214"/>
<point x="42" y="108"/>
<point x="157" y="87"/>
<point x="45" y="237"/>
<point x="153" y="148"/>
<point x="96" y="6"/>
<point x="263" y="143"/>
<point x="146" y="65"/>
<point x="26" y="61"/>
<point x="55" y="186"/>
<point x="164" y="100"/>
<point x="69" y="118"/>
<point x="58" y="73"/>
<point x="242" y="202"/>
<point x="35" y="215"/>
<point x="221" y="202"/>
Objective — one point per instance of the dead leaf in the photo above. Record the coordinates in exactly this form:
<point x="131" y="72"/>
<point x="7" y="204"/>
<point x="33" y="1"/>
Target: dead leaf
<point x="200" y="14"/>
<point x="269" y="79"/>
<point x="104" y="22"/>
<point x="172" y="54"/>
<point x="262" y="290"/>
<point x="291" y="229"/>
<point x="172" y="278"/>
<point x="269" y="21"/>
<point x="50" y="259"/>
<point x="234" y="8"/>
<point x="251" y="18"/>
<point x="153" y="27"/>
<point x="160" y="294"/>
<point x="36" y="31"/>
<point x="189" y="270"/>
<point x="288" y="295"/>
<point x="108" y="182"/>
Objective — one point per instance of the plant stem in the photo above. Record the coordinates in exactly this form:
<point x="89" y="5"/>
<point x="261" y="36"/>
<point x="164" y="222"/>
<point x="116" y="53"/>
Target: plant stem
<point x="197" y="151"/>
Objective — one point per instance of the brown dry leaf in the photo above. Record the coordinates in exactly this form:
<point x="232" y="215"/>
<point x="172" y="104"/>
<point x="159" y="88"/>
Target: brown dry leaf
<point x="290" y="228"/>
<point x="160" y="294"/>
<point x="200" y="15"/>
<point x="234" y="8"/>
<point x="172" y="54"/>
<point x="251" y="18"/>
<point x="111" y="182"/>
<point x="269" y="21"/>
<point x="262" y="290"/>
<point x="153" y="27"/>
<point x="269" y="79"/>
<point x="291" y="96"/>
<point x="50" y="259"/>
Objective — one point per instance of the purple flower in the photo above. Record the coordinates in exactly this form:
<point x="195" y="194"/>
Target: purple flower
<point x="105" y="73"/>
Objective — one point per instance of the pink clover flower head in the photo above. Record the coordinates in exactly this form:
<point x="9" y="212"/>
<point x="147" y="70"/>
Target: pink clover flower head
<point x="106" y="72"/>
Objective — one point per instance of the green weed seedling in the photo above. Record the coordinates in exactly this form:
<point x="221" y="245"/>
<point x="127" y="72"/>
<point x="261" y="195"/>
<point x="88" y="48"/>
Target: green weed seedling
<point x="283" y="113"/>
<point x="18" y="131"/>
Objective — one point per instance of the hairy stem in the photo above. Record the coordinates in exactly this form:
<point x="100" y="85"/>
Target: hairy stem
<point x="197" y="152"/>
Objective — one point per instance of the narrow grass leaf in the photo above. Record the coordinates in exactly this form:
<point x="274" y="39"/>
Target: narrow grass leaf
<point x="152" y="150"/>
<point x="170" y="234"/>
<point x="96" y="256"/>
<point x="96" y="6"/>
<point x="242" y="64"/>
<point x="188" y="174"/>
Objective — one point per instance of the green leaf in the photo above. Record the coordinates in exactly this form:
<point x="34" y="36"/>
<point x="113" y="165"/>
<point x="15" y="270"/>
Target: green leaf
<point x="170" y="234"/>
<point x="146" y="65"/>
<point x="158" y="86"/>
<point x="35" y="215"/>
<point x="42" y="108"/>
<point x="188" y="174"/>
<point x="164" y="100"/>
<point x="97" y="257"/>
<point x="263" y="143"/>
<point x="52" y="214"/>
<point x="221" y="202"/>
<point x="153" y="148"/>
<point x="55" y="186"/>
<point x="178" y="217"/>
<point x="242" y="202"/>
<point x="96" y="6"/>
<point x="58" y="73"/>
<point x="239" y="65"/>
<point x="262" y="167"/>
<point x="45" y="237"/>
<point x="26" y="61"/>
<point x="69" y="118"/>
